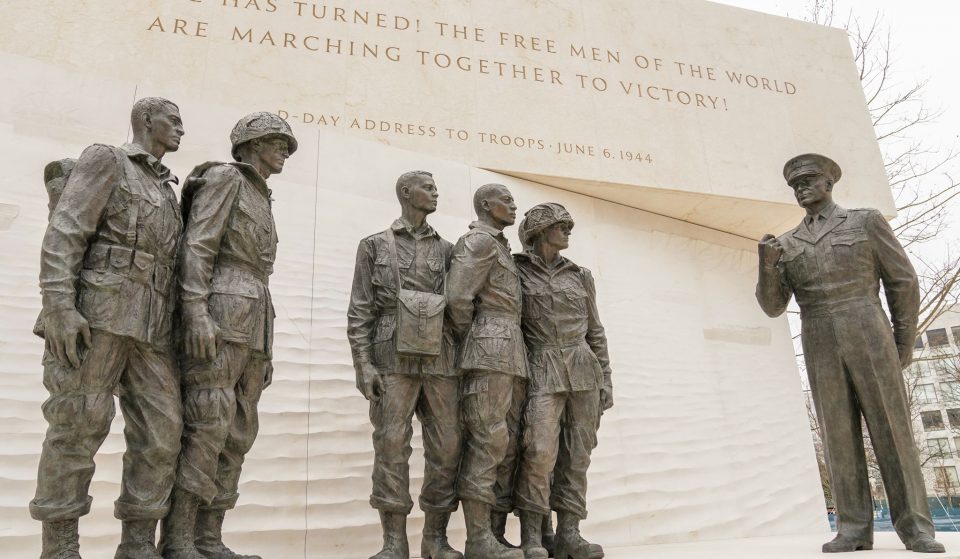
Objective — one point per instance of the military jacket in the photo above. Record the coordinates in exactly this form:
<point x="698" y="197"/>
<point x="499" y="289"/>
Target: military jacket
<point x="423" y="258"/>
<point x="566" y="343"/>
<point x="840" y="268"/>
<point x="483" y="303"/>
<point x="227" y="253"/>
<point x="111" y="243"/>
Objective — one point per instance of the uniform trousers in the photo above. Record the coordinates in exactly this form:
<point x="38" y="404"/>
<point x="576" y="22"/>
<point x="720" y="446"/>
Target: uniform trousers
<point x="79" y="412"/>
<point x="560" y="432"/>
<point x="854" y="372"/>
<point x="436" y="402"/>
<point x="220" y="422"/>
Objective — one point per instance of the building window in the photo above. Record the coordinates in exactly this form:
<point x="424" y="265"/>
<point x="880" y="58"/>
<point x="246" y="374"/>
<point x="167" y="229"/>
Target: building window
<point x="950" y="391"/>
<point x="953" y="415"/>
<point x="937" y="337"/>
<point x="919" y="343"/>
<point x="925" y="393"/>
<point x="938" y="448"/>
<point x="932" y="420"/>
<point x="946" y="477"/>
<point x="956" y="334"/>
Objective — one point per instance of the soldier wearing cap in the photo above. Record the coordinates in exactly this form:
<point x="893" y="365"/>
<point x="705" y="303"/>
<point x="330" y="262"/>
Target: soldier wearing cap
<point x="225" y="259"/>
<point x="106" y="270"/>
<point x="569" y="384"/>
<point x="833" y="262"/>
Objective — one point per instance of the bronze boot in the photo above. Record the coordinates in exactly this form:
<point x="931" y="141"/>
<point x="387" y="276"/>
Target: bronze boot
<point x="570" y="544"/>
<point x="209" y="537"/>
<point x="434" y="544"/>
<point x="60" y="539"/>
<point x="481" y="543"/>
<point x="531" y="536"/>
<point x="498" y="524"/>
<point x="178" y="529"/>
<point x="395" y="544"/>
<point x="548" y="535"/>
<point x="137" y="540"/>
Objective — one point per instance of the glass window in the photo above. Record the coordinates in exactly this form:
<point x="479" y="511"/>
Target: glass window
<point x="919" y="343"/>
<point x="947" y="476"/>
<point x="937" y="337"/>
<point x="925" y="393"/>
<point x="953" y="415"/>
<point x="950" y="391"/>
<point x="938" y="448"/>
<point x="932" y="420"/>
<point x="956" y="335"/>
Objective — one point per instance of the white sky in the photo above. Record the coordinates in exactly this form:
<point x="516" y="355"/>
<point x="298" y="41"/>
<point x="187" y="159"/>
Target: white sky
<point x="923" y="36"/>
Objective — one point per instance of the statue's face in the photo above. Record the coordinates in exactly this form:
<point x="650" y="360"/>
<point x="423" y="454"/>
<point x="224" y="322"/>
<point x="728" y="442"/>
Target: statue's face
<point x="501" y="206"/>
<point x="811" y="190"/>
<point x="422" y="194"/>
<point x="273" y="152"/>
<point x="557" y="235"/>
<point x="166" y="127"/>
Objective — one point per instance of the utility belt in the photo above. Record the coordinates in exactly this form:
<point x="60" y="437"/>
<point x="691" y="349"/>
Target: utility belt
<point x="545" y="347"/>
<point x="241" y="267"/>
<point x="822" y="309"/>
<point x="135" y="265"/>
<point x="484" y="313"/>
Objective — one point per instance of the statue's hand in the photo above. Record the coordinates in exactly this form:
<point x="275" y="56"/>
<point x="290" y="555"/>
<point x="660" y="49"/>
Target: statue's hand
<point x="369" y="382"/>
<point x="906" y="355"/>
<point x="64" y="330"/>
<point x="201" y="337"/>
<point x="606" y="394"/>
<point x="770" y="250"/>
<point x="268" y="375"/>
<point x="194" y="182"/>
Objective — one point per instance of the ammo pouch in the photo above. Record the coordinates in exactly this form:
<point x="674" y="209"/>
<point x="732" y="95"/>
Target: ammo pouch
<point x="419" y="331"/>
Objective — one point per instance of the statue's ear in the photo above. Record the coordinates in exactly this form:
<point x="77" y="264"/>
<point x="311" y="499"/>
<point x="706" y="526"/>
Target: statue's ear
<point x="405" y="192"/>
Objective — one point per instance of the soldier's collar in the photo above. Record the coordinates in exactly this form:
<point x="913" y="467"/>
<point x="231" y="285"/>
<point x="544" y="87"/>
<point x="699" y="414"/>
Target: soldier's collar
<point x="136" y="152"/>
<point x="251" y="173"/>
<point x="535" y="259"/>
<point x="481" y="226"/>
<point x="825" y="213"/>
<point x="402" y="224"/>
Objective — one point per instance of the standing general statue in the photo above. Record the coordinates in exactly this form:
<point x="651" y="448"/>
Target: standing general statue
<point x="106" y="274"/>
<point x="226" y="257"/>
<point x="834" y="263"/>
<point x="404" y="364"/>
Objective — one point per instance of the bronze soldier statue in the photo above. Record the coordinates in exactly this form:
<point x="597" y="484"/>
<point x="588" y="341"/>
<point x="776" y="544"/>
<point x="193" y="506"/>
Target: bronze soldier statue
<point x="483" y="305"/>
<point x="106" y="273"/>
<point x="834" y="263"/>
<point x="225" y="261"/>
<point x="410" y="257"/>
<point x="570" y="385"/>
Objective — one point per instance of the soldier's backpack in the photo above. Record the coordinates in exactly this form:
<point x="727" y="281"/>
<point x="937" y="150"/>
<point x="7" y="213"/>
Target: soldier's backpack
<point x="55" y="176"/>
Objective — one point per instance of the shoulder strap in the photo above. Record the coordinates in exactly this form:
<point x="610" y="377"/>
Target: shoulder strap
<point x="392" y="248"/>
<point x="123" y="162"/>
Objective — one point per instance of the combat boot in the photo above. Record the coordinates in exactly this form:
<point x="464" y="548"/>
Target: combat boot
<point x="569" y="544"/>
<point x="498" y="524"/>
<point x="137" y="540"/>
<point x="179" y="528"/>
<point x="60" y="539"/>
<point x="548" y="535"/>
<point x="395" y="544"/>
<point x="531" y="537"/>
<point x="481" y="543"/>
<point x="209" y="537"/>
<point x="434" y="544"/>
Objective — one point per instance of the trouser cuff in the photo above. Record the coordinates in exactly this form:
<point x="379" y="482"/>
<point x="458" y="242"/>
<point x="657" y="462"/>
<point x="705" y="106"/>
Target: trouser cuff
<point x="130" y="511"/>
<point x="222" y="502"/>
<point x="193" y="480"/>
<point x="384" y="505"/>
<point x="46" y="513"/>
<point x="488" y="499"/>
<point x="527" y="505"/>
<point x="432" y="507"/>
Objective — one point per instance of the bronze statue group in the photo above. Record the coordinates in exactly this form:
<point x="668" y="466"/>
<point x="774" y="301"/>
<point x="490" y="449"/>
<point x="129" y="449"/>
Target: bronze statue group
<point x="501" y="356"/>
